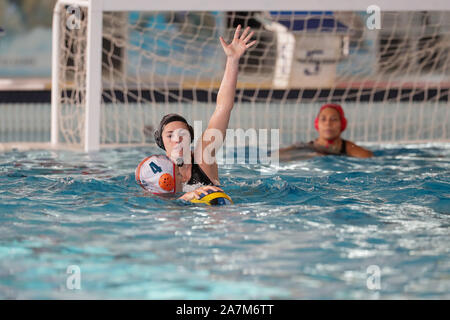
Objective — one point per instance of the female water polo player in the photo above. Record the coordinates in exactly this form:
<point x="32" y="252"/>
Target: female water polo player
<point x="200" y="167"/>
<point x="330" y="123"/>
<point x="174" y="135"/>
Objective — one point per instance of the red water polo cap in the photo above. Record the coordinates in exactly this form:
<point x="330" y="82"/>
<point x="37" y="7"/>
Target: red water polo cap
<point x="341" y="115"/>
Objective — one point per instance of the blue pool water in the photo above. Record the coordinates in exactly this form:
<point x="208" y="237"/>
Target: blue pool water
<point x="308" y="231"/>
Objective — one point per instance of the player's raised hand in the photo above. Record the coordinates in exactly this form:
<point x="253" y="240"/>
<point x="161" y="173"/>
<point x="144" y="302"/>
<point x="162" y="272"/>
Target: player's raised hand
<point x="239" y="44"/>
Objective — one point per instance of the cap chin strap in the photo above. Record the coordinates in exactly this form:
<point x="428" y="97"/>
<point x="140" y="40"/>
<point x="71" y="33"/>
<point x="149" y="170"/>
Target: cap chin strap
<point x="180" y="162"/>
<point x="329" y="142"/>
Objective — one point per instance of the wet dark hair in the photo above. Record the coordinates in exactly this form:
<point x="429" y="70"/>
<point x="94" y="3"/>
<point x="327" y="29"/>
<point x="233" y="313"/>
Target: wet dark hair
<point x="171" y="117"/>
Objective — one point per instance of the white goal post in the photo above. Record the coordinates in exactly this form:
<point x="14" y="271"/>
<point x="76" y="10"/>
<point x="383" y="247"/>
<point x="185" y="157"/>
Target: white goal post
<point x="78" y="82"/>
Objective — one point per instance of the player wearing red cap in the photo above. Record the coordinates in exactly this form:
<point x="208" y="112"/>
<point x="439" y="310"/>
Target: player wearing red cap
<point x="330" y="123"/>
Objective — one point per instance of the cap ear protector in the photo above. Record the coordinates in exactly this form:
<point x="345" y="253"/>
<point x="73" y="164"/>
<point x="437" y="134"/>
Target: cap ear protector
<point x="336" y="107"/>
<point x="171" y="117"/>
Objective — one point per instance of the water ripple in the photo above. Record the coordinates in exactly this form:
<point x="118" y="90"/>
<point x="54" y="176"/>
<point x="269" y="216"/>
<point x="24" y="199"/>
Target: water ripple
<point x="308" y="229"/>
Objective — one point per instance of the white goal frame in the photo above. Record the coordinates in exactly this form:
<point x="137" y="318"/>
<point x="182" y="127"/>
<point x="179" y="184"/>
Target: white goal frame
<point x="94" y="38"/>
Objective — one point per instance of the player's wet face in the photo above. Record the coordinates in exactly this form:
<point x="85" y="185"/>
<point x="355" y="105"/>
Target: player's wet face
<point x="329" y="124"/>
<point x="176" y="139"/>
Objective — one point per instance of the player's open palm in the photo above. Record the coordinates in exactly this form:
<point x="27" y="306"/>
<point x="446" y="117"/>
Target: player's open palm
<point x="239" y="44"/>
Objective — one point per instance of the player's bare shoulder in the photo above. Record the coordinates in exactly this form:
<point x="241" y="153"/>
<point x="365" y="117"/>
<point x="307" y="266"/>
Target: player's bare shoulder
<point x="354" y="150"/>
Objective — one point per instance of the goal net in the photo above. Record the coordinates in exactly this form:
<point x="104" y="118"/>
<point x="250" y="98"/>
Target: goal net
<point x="392" y="75"/>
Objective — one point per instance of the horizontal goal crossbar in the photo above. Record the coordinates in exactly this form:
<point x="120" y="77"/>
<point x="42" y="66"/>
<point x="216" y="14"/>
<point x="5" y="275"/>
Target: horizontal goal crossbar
<point x="252" y="5"/>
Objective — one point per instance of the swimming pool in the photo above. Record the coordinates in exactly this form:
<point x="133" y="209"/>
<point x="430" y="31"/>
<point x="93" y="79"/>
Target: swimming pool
<point x="308" y="231"/>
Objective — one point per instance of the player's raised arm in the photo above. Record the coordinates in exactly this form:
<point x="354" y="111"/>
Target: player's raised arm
<point x="227" y="91"/>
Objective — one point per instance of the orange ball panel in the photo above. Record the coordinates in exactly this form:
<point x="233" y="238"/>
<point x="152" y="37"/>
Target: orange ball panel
<point x="166" y="182"/>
